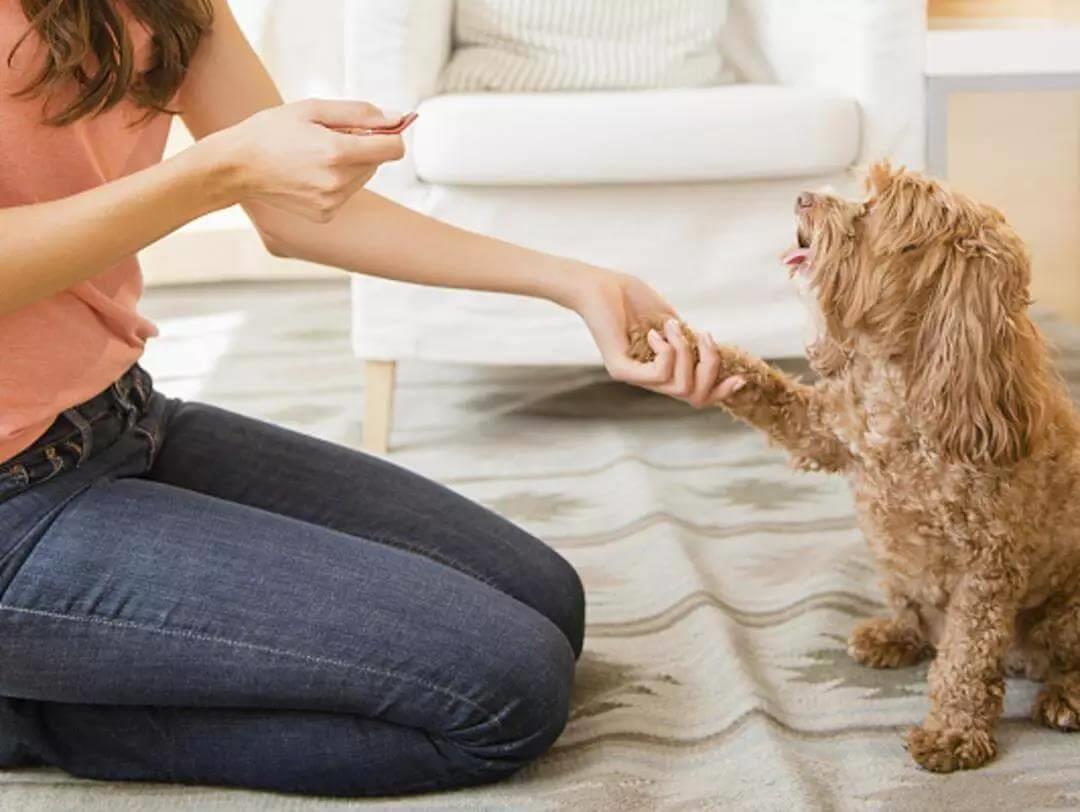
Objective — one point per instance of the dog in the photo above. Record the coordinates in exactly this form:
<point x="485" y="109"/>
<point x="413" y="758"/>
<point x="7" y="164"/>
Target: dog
<point x="936" y="398"/>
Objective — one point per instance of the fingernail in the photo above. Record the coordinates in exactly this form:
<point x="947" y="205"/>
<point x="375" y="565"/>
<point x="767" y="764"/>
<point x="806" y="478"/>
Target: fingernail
<point x="739" y="384"/>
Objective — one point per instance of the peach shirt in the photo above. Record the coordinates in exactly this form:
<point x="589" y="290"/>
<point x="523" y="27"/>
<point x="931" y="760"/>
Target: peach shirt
<point x="60" y="351"/>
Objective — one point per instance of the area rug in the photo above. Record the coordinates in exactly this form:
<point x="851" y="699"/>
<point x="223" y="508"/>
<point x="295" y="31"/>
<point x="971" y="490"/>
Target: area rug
<point x="721" y="584"/>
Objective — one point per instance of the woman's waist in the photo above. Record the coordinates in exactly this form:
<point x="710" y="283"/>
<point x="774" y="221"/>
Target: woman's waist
<point x="79" y="432"/>
<point x="37" y="386"/>
<point x="81" y="319"/>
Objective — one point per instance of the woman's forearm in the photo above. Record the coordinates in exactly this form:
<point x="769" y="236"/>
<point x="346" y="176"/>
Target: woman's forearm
<point x="375" y="236"/>
<point x="48" y="247"/>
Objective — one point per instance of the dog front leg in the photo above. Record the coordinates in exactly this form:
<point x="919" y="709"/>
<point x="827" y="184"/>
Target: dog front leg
<point x="791" y="413"/>
<point x="967" y="688"/>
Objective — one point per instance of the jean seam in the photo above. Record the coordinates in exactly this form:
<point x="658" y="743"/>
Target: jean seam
<point x="259" y="647"/>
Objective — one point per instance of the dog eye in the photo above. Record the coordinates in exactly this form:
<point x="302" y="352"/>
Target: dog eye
<point x="908" y="249"/>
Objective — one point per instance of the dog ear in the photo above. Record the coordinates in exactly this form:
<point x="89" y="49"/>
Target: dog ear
<point x="879" y="177"/>
<point x="911" y="210"/>
<point x="977" y="376"/>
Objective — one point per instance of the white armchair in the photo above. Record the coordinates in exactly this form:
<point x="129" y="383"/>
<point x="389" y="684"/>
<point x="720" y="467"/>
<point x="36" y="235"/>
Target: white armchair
<point x="699" y="208"/>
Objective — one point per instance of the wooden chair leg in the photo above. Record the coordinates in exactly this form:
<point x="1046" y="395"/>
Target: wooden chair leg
<point x="378" y="405"/>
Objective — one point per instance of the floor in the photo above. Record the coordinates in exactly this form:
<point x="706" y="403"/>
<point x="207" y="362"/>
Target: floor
<point x="721" y="584"/>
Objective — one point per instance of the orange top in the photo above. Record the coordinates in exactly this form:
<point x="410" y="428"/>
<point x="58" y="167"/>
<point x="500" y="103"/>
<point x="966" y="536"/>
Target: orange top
<point x="63" y="350"/>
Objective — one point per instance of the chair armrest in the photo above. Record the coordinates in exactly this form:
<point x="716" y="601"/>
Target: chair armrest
<point x="871" y="50"/>
<point x="395" y="51"/>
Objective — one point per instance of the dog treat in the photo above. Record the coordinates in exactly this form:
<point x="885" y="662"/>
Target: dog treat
<point x="395" y="129"/>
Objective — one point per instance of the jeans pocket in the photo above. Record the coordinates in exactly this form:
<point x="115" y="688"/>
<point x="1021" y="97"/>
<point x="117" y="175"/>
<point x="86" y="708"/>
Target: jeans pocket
<point x="26" y="519"/>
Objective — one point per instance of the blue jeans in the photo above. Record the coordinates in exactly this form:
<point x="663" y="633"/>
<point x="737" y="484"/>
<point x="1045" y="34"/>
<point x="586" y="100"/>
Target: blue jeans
<point x="188" y="595"/>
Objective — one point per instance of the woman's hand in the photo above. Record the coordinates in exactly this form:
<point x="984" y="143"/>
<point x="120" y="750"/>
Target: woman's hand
<point x="294" y="158"/>
<point x="611" y="303"/>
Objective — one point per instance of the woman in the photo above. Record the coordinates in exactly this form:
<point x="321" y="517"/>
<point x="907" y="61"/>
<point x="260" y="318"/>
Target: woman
<point x="189" y="595"/>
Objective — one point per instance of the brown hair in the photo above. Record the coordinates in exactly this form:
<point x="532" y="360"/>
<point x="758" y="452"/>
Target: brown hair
<point x="88" y="48"/>
<point x="940" y="283"/>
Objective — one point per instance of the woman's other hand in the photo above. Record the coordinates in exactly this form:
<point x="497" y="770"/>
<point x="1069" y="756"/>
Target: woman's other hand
<point x="295" y="158"/>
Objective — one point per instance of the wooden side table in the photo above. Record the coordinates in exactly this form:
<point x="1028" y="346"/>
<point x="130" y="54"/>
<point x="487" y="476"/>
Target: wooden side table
<point x="992" y="60"/>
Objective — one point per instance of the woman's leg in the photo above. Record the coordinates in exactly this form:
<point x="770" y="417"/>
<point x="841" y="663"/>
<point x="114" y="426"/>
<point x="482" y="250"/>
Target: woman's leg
<point x="154" y="633"/>
<point x="253" y="463"/>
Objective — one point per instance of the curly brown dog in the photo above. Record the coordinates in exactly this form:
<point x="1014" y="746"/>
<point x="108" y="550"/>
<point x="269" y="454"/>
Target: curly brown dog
<point x="937" y="400"/>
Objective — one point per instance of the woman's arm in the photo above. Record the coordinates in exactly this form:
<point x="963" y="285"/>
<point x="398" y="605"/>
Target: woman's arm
<point x="375" y="236"/>
<point x="48" y="247"/>
<point x="288" y="157"/>
<point x="370" y="234"/>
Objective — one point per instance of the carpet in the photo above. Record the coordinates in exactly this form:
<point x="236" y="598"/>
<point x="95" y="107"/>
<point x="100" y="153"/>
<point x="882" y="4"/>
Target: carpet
<point x="721" y="584"/>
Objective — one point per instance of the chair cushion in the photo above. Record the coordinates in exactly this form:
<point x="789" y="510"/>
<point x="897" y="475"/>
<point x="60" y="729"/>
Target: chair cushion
<point x="702" y="134"/>
<point x="548" y="45"/>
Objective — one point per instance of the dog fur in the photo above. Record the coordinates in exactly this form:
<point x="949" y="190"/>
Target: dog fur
<point x="937" y="400"/>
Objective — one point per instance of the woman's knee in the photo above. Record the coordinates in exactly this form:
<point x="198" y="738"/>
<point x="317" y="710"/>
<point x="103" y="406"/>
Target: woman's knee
<point x="528" y="702"/>
<point x="549" y="584"/>
<point x="567" y="602"/>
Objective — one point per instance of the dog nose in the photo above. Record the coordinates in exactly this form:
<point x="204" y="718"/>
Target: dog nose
<point x="804" y="201"/>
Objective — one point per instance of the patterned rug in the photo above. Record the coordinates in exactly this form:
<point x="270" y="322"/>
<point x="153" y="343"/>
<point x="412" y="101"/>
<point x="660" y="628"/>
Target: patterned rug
<point x="721" y="584"/>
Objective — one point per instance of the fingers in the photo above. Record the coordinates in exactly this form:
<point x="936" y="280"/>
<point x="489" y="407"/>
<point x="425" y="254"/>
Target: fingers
<point x="682" y="379"/>
<point x="343" y="116"/>
<point x="370" y="149"/>
<point x="674" y="372"/>
<point x="671" y="372"/>
<point x="347" y="114"/>
<point x="664" y="363"/>
<point x="705" y="374"/>
<point x="396" y="129"/>
<point x="728" y="387"/>
<point x="652" y="375"/>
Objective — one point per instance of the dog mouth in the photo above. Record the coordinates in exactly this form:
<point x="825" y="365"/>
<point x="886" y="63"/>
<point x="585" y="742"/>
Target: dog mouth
<point x="800" y="259"/>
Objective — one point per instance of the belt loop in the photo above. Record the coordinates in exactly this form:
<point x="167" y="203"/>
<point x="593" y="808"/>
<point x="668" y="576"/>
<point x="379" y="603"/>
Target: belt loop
<point x="86" y="433"/>
<point x="143" y="384"/>
<point x="121" y="390"/>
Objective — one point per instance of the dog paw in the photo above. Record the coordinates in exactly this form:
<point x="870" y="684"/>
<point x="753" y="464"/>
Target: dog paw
<point x="1057" y="708"/>
<point x="641" y="350"/>
<point x="881" y="642"/>
<point x="950" y="749"/>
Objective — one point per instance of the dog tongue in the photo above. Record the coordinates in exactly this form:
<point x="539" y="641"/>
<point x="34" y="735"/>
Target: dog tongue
<point x="796" y="257"/>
